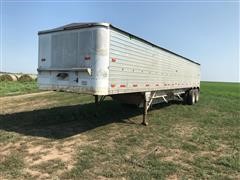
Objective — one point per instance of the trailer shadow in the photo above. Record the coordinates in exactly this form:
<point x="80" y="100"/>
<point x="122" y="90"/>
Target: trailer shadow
<point x="66" y="121"/>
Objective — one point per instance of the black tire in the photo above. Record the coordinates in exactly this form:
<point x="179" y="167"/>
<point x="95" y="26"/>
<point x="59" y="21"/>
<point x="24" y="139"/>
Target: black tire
<point x="185" y="98"/>
<point x="191" y="97"/>
<point x="196" y="91"/>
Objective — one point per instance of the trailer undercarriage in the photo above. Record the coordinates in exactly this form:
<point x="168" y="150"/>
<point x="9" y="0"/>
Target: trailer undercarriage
<point x="146" y="99"/>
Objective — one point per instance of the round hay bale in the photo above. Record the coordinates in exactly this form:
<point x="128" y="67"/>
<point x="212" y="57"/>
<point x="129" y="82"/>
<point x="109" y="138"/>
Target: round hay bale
<point x="34" y="77"/>
<point x="8" y="77"/>
<point x="14" y="77"/>
<point x="18" y="75"/>
<point x="25" y="78"/>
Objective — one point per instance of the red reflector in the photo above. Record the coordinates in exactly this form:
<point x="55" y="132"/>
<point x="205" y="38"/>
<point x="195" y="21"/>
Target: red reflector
<point x="114" y="59"/>
<point x="112" y="85"/>
<point x="87" y="57"/>
<point x="122" y="85"/>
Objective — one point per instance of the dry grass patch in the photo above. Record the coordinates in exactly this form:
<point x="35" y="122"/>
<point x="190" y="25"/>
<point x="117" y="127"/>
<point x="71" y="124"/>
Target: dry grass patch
<point x="184" y="130"/>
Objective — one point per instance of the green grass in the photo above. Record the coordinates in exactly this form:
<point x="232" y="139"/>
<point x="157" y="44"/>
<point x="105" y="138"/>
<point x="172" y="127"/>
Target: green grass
<point x="85" y="160"/>
<point x="181" y="141"/>
<point x="15" y="87"/>
<point x="11" y="165"/>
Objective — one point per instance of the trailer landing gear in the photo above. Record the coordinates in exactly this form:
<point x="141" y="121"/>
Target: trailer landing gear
<point x="155" y="97"/>
<point x="144" y="122"/>
<point x="147" y="101"/>
<point x="97" y="102"/>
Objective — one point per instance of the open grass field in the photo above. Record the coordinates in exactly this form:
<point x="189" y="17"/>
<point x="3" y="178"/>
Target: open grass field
<point x="55" y="135"/>
<point x="8" y="88"/>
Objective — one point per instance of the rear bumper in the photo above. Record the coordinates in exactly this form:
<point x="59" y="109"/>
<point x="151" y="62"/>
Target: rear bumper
<point x="75" y="89"/>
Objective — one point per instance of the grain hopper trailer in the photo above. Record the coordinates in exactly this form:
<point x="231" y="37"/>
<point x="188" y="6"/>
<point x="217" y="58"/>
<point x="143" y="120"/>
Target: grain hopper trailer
<point x="103" y="60"/>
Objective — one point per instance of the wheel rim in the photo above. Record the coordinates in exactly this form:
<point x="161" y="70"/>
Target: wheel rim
<point x="197" y="97"/>
<point x="193" y="98"/>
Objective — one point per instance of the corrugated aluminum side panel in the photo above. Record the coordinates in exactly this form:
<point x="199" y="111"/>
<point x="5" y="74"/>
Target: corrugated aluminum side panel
<point x="137" y="66"/>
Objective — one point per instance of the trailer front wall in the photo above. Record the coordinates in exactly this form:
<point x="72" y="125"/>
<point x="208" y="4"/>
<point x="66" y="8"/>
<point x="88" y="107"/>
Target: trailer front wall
<point x="136" y="66"/>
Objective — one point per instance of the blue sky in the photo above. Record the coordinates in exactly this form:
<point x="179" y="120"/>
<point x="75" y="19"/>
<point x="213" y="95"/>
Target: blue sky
<point x="207" y="32"/>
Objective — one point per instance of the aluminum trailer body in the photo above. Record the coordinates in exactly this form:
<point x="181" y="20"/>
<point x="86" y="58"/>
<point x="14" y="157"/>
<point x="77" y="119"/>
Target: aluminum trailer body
<point x="101" y="59"/>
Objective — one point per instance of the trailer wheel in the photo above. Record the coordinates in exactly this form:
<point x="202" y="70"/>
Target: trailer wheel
<point x="185" y="98"/>
<point x="191" y="97"/>
<point x="196" y="95"/>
